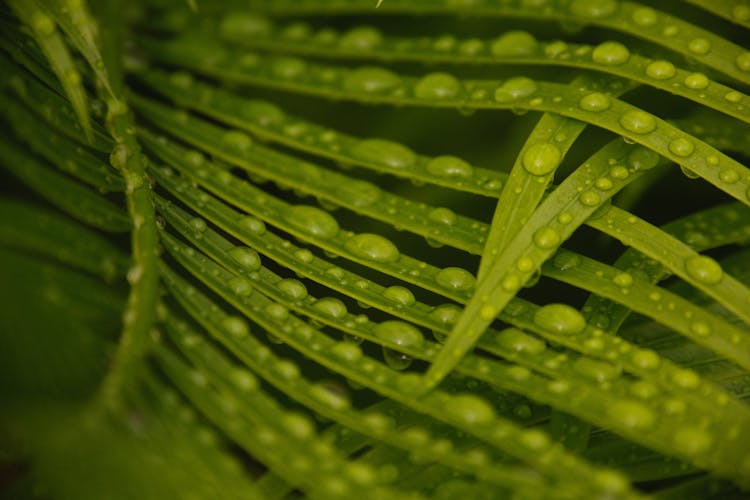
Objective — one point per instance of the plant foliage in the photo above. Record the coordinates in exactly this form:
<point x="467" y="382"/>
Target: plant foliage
<point x="358" y="249"/>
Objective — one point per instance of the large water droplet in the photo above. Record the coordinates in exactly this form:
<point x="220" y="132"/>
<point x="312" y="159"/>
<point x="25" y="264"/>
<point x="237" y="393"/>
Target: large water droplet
<point x="372" y="247"/>
<point x="704" y="269"/>
<point x="471" y="409"/>
<point x="596" y="101"/>
<point x="396" y="360"/>
<point x="700" y="46"/>
<point x="399" y="333"/>
<point x="559" y="318"/>
<point x="541" y="159"/>
<point x="638" y="122"/>
<point x="681" y="147"/>
<point x="644" y="16"/>
<point x="660" y="70"/>
<point x="697" y="81"/>
<point x="331" y="306"/>
<point x="631" y="414"/>
<point x="246" y="257"/>
<point x="610" y="54"/>
<point x="455" y="278"/>
<point x="384" y="152"/>
<point x="361" y="38"/>
<point x="514" y="89"/>
<point x="449" y="166"/>
<point x="516" y="340"/>
<point x="292" y="288"/>
<point x="514" y="43"/>
<point x="437" y="86"/>
<point x="546" y="238"/>
<point x="443" y="216"/>
<point x="400" y="295"/>
<point x="313" y="221"/>
<point x="371" y="79"/>
<point x="594" y="9"/>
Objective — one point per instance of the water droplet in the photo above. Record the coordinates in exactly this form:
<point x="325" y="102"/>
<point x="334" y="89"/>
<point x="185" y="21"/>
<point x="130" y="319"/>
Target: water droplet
<point x="681" y="147"/>
<point x="743" y="61"/>
<point x="455" y="278"/>
<point x="471" y="409"/>
<point x="262" y="112"/>
<point x="514" y="89"/>
<point x="288" y="67"/>
<point x="541" y="159"/>
<point x="514" y="43"/>
<point x="313" y="221"/>
<point x="546" y="238"/>
<point x="43" y="25"/>
<point x="252" y="224"/>
<point x="589" y="199"/>
<point x="235" y="326"/>
<point x="246" y="257"/>
<point x="399" y="333"/>
<point x="372" y="247"/>
<point x="596" y="101"/>
<point x="198" y="225"/>
<point x="384" y="152"/>
<point x="730" y="176"/>
<point x="371" y="79"/>
<point x="244" y="25"/>
<point x="240" y="286"/>
<point x="396" y="360"/>
<point x="516" y="340"/>
<point x="560" y="319"/>
<point x="237" y="139"/>
<point x="623" y="279"/>
<point x="631" y="414"/>
<point x="697" y="81"/>
<point x="699" y="46"/>
<point x="359" y="193"/>
<point x="644" y="16"/>
<point x="704" y="269"/>
<point x="566" y="261"/>
<point x="292" y="288"/>
<point x="442" y="215"/>
<point x="333" y="396"/>
<point x="596" y="370"/>
<point x="733" y="96"/>
<point x="641" y="158"/>
<point x="660" y="70"/>
<point x="449" y="166"/>
<point x="347" y="351"/>
<point x="361" y="38"/>
<point x="638" y="122"/>
<point x="610" y="54"/>
<point x="692" y="440"/>
<point x="331" y="306"/>
<point x="277" y="312"/>
<point x="400" y="295"/>
<point x="438" y="85"/>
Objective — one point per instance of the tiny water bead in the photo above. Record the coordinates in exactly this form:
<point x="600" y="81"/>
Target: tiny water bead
<point x="681" y="147"/>
<point x="384" y="152"/>
<point x="399" y="333"/>
<point x="704" y="269"/>
<point x="449" y="167"/>
<point x="400" y="295"/>
<point x="541" y="159"/>
<point x="660" y="70"/>
<point x="438" y="85"/>
<point x="313" y="221"/>
<point x="514" y="43"/>
<point x="372" y="247"/>
<point x="514" y="89"/>
<point x="371" y="79"/>
<point x="455" y="278"/>
<point x="637" y="121"/>
<point x="546" y="238"/>
<point x="516" y="340"/>
<point x="246" y="257"/>
<point x="697" y="81"/>
<point x="560" y="318"/>
<point x="610" y="54"/>
<point x="596" y="101"/>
